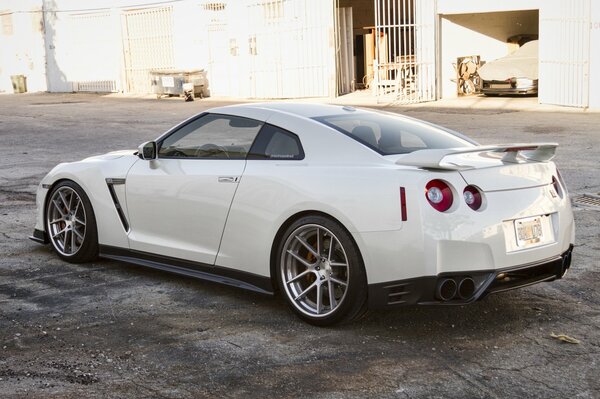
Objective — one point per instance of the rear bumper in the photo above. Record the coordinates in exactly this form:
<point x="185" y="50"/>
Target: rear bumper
<point x="426" y="290"/>
<point x="495" y="88"/>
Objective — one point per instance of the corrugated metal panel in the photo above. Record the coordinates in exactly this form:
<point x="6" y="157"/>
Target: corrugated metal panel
<point x="405" y="50"/>
<point x="148" y="45"/>
<point x="564" y="52"/>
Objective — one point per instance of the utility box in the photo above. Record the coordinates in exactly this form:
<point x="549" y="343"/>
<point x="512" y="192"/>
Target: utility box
<point x="187" y="84"/>
<point x="19" y="83"/>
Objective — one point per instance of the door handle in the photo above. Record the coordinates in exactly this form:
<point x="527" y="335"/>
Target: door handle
<point x="229" y="179"/>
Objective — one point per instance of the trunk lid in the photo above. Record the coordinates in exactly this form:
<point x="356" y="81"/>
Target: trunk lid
<point x="509" y="177"/>
<point x="491" y="168"/>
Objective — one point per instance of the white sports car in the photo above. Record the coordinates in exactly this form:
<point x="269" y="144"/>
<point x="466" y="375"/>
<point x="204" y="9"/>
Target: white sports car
<point x="338" y="208"/>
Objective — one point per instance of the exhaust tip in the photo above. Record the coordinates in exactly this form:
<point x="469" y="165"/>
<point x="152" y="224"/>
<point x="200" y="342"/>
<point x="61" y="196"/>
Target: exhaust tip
<point x="466" y="288"/>
<point x="446" y="289"/>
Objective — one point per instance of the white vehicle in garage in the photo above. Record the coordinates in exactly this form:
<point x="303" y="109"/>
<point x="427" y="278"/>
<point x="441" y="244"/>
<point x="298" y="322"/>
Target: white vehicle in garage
<point x="514" y="74"/>
<point x="340" y="209"/>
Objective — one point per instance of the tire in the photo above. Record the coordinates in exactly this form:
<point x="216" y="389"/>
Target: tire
<point x="306" y="280"/>
<point x="71" y="224"/>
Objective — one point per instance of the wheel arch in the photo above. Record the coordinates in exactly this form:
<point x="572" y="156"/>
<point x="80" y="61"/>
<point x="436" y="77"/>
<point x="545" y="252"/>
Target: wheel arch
<point x="53" y="185"/>
<point x="88" y="248"/>
<point x="287" y="223"/>
<point x="47" y="198"/>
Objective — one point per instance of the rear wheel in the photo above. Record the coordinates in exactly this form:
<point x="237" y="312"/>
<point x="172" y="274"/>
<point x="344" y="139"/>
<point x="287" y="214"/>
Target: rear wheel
<point x="320" y="271"/>
<point x="71" y="224"/>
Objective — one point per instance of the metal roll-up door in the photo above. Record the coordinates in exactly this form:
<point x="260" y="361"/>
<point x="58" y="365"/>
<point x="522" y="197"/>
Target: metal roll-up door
<point x="291" y="48"/>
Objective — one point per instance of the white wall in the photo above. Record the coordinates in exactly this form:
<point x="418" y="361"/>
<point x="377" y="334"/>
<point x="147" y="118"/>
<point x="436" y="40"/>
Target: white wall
<point x="82" y="48"/>
<point x="22" y="52"/>
<point x="189" y="34"/>
<point x="482" y="34"/>
<point x="84" y="43"/>
<point x="594" y="91"/>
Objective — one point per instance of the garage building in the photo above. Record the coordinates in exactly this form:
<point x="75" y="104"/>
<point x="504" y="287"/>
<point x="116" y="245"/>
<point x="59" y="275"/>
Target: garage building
<point x="401" y="50"/>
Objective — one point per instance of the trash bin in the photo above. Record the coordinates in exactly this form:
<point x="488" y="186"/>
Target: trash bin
<point x="19" y="83"/>
<point x="183" y="83"/>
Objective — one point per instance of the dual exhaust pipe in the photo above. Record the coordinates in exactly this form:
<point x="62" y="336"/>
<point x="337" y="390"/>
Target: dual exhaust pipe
<point x="455" y="288"/>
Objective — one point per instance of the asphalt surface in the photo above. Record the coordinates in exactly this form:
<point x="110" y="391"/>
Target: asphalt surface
<point x="112" y="330"/>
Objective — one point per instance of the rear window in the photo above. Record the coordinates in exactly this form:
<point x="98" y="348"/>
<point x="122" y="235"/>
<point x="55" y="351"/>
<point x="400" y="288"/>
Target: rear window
<point x="389" y="135"/>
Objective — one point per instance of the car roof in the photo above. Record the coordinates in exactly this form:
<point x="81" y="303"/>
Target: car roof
<point x="306" y="110"/>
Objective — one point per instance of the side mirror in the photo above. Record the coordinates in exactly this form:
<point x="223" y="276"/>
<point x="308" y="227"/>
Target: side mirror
<point x="147" y="150"/>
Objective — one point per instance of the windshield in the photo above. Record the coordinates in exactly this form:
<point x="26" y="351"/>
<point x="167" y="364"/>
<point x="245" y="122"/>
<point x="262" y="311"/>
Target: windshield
<point x="389" y="135"/>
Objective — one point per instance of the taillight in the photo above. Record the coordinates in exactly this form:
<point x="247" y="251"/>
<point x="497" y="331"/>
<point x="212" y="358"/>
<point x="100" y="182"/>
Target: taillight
<point x="561" y="183"/>
<point x="557" y="186"/>
<point x="439" y="195"/>
<point x="472" y="197"/>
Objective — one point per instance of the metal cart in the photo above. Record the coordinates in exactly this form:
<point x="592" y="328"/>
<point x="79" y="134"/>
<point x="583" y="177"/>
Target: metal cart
<point x="187" y="84"/>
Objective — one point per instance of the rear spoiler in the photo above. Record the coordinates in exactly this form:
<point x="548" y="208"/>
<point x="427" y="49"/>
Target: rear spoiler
<point x="434" y="159"/>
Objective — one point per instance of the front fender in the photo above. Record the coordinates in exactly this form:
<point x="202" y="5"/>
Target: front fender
<point x="91" y="174"/>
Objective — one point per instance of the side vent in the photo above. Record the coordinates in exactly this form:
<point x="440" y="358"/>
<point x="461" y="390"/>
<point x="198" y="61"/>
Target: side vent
<point x="110" y="182"/>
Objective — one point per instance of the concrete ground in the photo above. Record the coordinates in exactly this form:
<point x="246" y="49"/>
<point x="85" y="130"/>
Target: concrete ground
<point x="112" y="330"/>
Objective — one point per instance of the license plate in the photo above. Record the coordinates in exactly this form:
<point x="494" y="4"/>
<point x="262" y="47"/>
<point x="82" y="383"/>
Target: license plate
<point x="529" y="231"/>
<point x="499" y="86"/>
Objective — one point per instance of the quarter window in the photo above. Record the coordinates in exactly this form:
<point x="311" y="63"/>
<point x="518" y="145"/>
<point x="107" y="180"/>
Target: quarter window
<point x="388" y="134"/>
<point x="211" y="136"/>
<point x="276" y="143"/>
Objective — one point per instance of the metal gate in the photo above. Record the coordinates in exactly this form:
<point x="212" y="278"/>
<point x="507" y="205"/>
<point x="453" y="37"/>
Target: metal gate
<point x="565" y="52"/>
<point x="404" y="67"/>
<point x="147" y="44"/>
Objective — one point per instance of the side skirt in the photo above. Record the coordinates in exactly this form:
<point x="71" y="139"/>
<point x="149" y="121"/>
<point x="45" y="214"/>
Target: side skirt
<point x="223" y="275"/>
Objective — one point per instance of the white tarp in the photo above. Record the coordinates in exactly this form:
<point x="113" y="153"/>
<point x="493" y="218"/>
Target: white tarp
<point x="523" y="63"/>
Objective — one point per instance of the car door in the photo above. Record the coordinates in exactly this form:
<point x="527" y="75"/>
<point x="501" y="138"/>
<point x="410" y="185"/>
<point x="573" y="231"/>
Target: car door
<point x="178" y="203"/>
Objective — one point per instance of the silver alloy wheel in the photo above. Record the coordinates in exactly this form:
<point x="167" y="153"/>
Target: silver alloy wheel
<point x="314" y="269"/>
<point x="65" y="218"/>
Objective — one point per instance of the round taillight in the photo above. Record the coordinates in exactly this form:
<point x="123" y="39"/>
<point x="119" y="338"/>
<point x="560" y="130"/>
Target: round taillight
<point x="439" y="195"/>
<point x="472" y="197"/>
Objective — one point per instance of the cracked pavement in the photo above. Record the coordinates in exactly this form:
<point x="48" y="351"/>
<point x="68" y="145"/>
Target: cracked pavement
<point x="112" y="330"/>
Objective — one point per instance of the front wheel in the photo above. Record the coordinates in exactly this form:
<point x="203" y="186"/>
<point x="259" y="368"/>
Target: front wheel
<point x="71" y="224"/>
<point x="320" y="271"/>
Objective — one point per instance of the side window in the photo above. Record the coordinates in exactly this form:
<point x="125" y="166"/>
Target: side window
<point x="277" y="144"/>
<point x="211" y="136"/>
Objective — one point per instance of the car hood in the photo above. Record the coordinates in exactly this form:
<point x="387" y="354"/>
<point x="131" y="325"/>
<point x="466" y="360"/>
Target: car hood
<point x="110" y="156"/>
<point x="523" y="63"/>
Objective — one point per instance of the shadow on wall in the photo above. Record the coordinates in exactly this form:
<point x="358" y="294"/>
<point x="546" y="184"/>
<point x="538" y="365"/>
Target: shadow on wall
<point x="55" y="77"/>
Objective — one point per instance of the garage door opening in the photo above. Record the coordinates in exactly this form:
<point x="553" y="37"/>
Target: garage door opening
<point x="393" y="43"/>
<point x="468" y="41"/>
